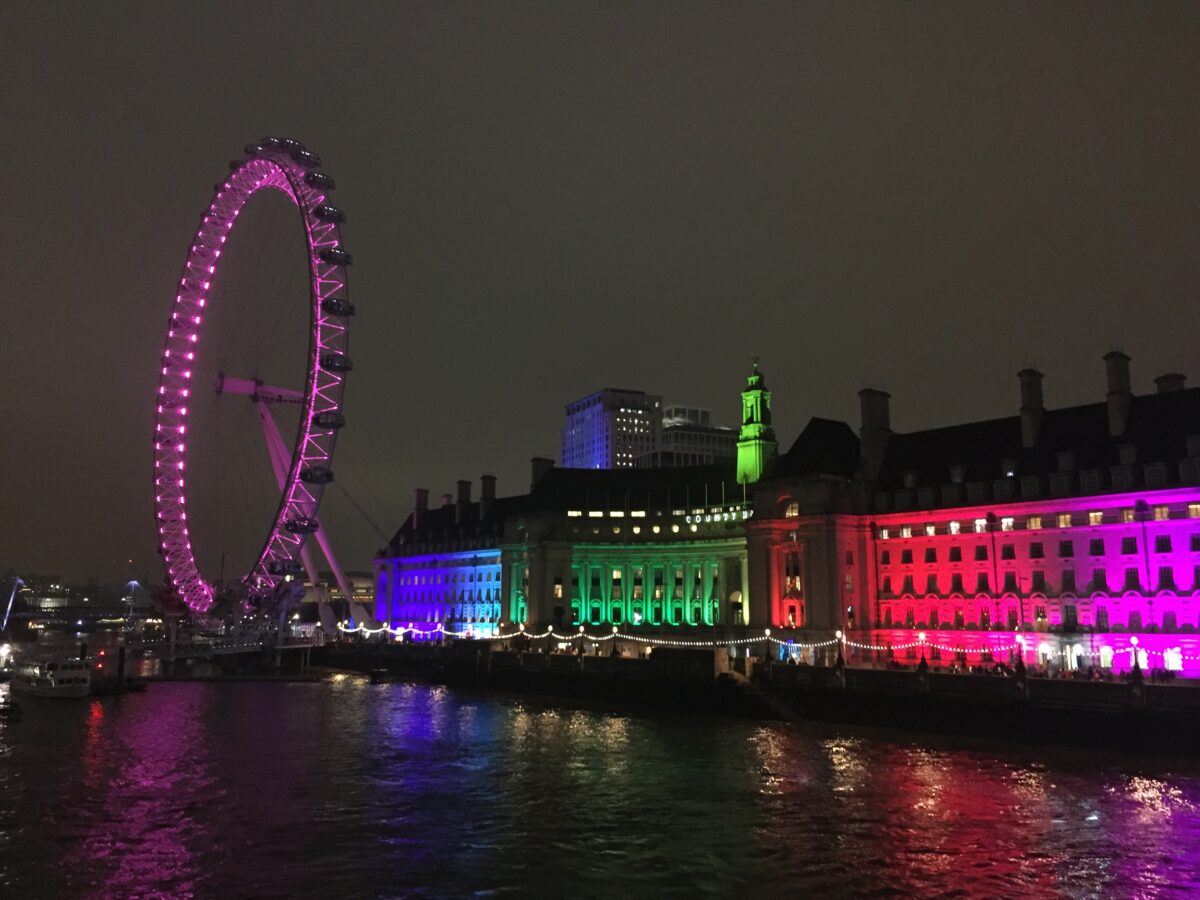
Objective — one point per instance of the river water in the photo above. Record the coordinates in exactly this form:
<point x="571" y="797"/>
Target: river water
<point x="346" y="789"/>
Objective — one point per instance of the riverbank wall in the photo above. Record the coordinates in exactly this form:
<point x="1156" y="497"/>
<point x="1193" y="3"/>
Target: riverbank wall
<point x="1146" y="718"/>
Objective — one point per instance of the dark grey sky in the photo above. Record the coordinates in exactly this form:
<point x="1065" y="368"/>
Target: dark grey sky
<point x="545" y="198"/>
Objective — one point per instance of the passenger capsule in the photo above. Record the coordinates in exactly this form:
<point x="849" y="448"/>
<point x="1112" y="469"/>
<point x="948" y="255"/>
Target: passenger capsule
<point x="337" y="306"/>
<point x="327" y="212"/>
<point x="336" y="362"/>
<point x="316" y="475"/>
<point x="329" y="420"/>
<point x="319" y="180"/>
<point x="336" y="256"/>
<point x="301" y="525"/>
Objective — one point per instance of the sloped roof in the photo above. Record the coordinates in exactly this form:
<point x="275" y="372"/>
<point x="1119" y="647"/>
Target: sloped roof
<point x="824" y="447"/>
<point x="1158" y="425"/>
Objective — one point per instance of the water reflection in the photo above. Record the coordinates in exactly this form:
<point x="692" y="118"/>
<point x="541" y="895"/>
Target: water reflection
<point x="352" y="789"/>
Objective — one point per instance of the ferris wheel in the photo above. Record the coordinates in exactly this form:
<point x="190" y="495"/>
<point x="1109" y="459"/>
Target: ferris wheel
<point x="302" y="468"/>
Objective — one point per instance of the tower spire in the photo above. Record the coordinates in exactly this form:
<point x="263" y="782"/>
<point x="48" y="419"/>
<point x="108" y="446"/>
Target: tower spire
<point x="756" y="444"/>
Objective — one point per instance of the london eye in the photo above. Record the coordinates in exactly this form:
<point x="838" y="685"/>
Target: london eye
<point x="301" y="462"/>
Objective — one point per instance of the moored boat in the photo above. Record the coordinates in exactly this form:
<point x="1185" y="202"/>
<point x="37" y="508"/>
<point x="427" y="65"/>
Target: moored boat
<point x="52" y="678"/>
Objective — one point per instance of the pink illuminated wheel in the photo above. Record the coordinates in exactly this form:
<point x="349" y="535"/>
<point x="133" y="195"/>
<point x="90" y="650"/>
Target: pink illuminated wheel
<point x="287" y="166"/>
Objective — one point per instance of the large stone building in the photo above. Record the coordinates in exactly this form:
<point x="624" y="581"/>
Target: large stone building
<point x="1071" y="536"/>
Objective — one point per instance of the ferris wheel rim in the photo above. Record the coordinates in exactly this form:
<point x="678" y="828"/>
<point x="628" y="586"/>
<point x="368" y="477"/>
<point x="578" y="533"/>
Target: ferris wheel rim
<point x="289" y="167"/>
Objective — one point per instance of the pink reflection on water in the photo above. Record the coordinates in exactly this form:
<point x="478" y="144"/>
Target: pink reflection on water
<point x="139" y="841"/>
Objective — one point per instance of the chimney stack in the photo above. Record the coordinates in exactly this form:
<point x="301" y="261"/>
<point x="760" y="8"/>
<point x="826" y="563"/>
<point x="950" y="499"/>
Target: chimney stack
<point x="876" y="428"/>
<point x="539" y="466"/>
<point x="1172" y="381"/>
<point x="1032" y="406"/>
<point x="487" y="493"/>
<point x="1120" y="396"/>
<point x="420" y="507"/>
<point x="464" y="500"/>
<point x="447" y="500"/>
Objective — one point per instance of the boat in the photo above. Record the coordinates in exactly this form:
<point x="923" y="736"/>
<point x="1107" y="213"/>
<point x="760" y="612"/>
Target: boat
<point x="53" y="678"/>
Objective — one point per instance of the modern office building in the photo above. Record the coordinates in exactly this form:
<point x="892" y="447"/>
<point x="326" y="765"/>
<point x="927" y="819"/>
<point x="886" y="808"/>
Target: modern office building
<point x="690" y="439"/>
<point x="610" y="429"/>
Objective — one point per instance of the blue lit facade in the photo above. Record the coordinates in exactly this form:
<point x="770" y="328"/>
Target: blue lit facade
<point x="458" y="590"/>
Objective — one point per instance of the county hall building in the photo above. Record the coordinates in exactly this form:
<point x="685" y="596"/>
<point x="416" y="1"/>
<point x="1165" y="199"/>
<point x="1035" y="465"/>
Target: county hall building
<point x="1070" y="536"/>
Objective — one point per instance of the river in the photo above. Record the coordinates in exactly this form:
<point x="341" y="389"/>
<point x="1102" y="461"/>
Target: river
<point x="346" y="789"/>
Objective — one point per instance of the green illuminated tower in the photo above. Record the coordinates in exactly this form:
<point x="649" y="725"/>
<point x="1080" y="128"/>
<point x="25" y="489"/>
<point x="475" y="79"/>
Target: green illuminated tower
<point x="756" y="441"/>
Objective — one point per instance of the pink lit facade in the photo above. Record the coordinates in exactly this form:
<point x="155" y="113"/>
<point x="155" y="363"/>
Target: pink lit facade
<point x="1069" y="538"/>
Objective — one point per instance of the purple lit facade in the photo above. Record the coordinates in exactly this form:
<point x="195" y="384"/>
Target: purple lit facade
<point x="287" y="167"/>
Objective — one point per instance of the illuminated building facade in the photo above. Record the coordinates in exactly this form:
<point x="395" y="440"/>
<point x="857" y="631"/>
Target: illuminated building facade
<point x="610" y="429"/>
<point x="1069" y="536"/>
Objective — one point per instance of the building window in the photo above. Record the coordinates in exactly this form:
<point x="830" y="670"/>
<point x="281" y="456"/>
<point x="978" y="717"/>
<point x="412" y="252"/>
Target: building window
<point x="905" y="531"/>
<point x="1195" y="543"/>
<point x="956" y="554"/>
<point x="558" y="588"/>
<point x="931" y="584"/>
<point x="1008" y="551"/>
<point x="1132" y="582"/>
<point x="1099" y="580"/>
<point x="1068" y="581"/>
<point x="956" y="583"/>
<point x="1162" y="543"/>
<point x="1096" y="517"/>
<point x="907" y="587"/>
<point x="1007" y="523"/>
<point x="1033" y="523"/>
<point x="884" y="534"/>
<point x="981" y="583"/>
<point x="1064" y="520"/>
<point x="980" y="526"/>
<point x="1038" y="581"/>
<point x="980" y="552"/>
<point x="1162" y="513"/>
<point x="1036" y="551"/>
<point x="1070" y="617"/>
<point x="1096" y="547"/>
<point x="1166" y="578"/>
<point x="1129" y="545"/>
<point x="1102" y="618"/>
<point x="906" y="556"/>
<point x="885" y="557"/>
<point x="933" y="618"/>
<point x="955" y="528"/>
<point x="930" y="555"/>
<point x="793" y="511"/>
<point x="887" y="585"/>
<point x="1127" y="514"/>
<point x="1066" y="549"/>
<point x="1194" y="510"/>
<point x="1010" y="582"/>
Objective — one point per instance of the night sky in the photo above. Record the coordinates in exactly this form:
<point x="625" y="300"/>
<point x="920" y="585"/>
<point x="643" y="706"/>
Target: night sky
<point x="547" y="198"/>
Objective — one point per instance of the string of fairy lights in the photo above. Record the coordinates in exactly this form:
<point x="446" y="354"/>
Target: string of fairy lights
<point x="1019" y="645"/>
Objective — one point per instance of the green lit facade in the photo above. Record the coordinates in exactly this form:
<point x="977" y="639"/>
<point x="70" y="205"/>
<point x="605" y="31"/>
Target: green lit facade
<point x="687" y="583"/>
<point x="756" y="444"/>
